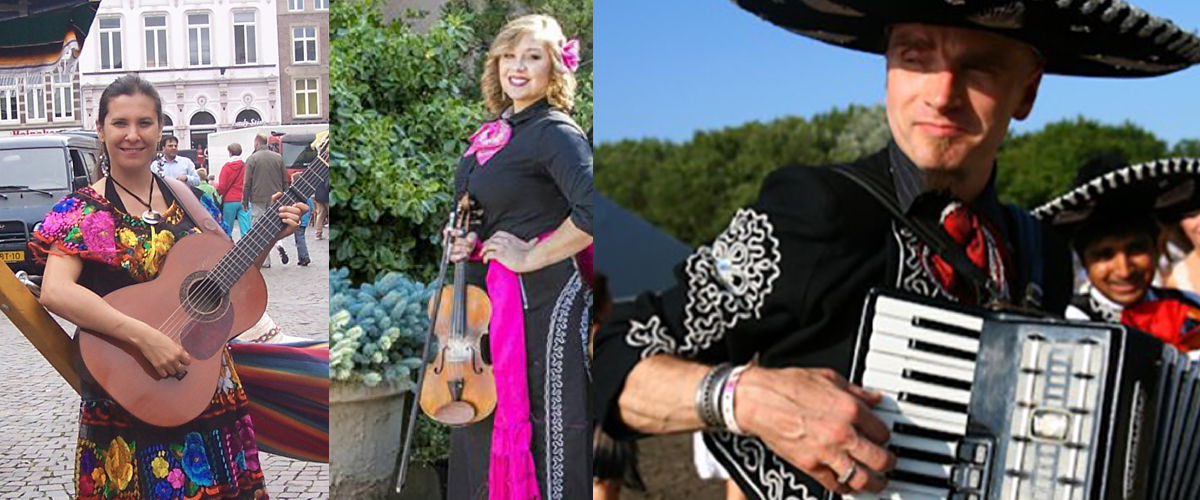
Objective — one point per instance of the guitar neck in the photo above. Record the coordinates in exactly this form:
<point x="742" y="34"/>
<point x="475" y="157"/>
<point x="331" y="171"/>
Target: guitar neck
<point x="262" y="232"/>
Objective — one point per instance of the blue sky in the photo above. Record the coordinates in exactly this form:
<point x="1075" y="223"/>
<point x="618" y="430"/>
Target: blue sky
<point x="667" y="68"/>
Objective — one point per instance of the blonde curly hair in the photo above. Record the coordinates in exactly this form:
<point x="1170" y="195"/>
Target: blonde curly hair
<point x="561" y="89"/>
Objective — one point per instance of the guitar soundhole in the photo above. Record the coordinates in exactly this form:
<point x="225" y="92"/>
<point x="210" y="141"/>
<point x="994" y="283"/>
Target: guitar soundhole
<point x="204" y="297"/>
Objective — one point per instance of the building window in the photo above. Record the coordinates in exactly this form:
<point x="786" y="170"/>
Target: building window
<point x="321" y="4"/>
<point x="244" y="44"/>
<point x="198" y="42"/>
<point x="168" y="125"/>
<point x="247" y="118"/>
<point x="64" y="98"/>
<point x="307" y="104"/>
<point x="9" y="97"/>
<point x="295" y="4"/>
<point x="305" y="42"/>
<point x="110" y="43"/>
<point x="156" y="42"/>
<point x="35" y="101"/>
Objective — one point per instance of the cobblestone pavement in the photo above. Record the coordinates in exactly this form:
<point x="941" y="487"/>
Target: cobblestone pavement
<point x="39" y="417"/>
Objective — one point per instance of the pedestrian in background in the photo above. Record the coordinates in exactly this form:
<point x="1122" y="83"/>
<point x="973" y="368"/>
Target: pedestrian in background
<point x="229" y="186"/>
<point x="205" y="186"/>
<point x="264" y="177"/>
<point x="173" y="166"/>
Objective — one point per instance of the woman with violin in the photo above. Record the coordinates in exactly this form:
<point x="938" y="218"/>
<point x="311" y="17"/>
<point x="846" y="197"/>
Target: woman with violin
<point x="115" y="233"/>
<point x="528" y="174"/>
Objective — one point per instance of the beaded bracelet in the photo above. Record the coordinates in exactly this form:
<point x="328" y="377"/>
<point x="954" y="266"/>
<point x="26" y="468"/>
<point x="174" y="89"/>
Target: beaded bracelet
<point x="727" y="399"/>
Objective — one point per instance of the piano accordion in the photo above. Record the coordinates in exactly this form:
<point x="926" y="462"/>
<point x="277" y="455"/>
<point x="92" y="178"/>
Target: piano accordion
<point x="986" y="405"/>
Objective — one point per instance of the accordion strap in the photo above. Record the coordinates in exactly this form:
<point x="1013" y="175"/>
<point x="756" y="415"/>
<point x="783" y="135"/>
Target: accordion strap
<point x="881" y="189"/>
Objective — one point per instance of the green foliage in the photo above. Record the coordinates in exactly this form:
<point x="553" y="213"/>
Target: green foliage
<point x="1037" y="166"/>
<point x="1189" y="147"/>
<point x="661" y="180"/>
<point x="432" y="441"/>
<point x="376" y="331"/>
<point x="400" y="118"/>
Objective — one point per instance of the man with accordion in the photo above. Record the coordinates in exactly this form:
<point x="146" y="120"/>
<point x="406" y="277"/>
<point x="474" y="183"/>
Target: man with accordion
<point x="756" y="342"/>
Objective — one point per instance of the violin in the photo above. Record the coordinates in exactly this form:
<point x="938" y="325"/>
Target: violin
<point x="458" y="387"/>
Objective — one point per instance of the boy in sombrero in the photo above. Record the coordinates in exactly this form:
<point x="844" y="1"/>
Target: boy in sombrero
<point x="1113" y="219"/>
<point x="754" y="342"/>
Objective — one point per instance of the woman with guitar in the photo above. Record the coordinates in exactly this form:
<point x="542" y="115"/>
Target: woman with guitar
<point x="118" y="234"/>
<point x="529" y="174"/>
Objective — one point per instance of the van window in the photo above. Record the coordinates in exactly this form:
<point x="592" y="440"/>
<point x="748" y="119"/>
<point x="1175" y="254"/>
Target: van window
<point x="39" y="168"/>
<point x="78" y="167"/>
<point x="89" y="161"/>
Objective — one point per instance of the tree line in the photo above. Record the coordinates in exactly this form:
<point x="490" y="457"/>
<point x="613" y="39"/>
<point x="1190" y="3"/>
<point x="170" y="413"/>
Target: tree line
<point x="690" y="189"/>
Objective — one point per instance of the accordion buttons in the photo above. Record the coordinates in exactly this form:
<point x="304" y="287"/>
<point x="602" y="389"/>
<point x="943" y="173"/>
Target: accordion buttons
<point x="1051" y="425"/>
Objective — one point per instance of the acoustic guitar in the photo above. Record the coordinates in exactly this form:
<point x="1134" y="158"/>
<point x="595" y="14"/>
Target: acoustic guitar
<point x="207" y="292"/>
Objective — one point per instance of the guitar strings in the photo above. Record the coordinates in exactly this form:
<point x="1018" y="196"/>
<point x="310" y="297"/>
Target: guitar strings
<point x="178" y="319"/>
<point x="238" y="257"/>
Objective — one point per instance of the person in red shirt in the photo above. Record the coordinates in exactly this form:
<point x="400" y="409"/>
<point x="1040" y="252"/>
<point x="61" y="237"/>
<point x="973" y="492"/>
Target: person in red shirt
<point x="229" y="186"/>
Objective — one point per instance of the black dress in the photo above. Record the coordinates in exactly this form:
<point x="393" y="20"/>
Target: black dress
<point x="542" y="177"/>
<point x="785" y="284"/>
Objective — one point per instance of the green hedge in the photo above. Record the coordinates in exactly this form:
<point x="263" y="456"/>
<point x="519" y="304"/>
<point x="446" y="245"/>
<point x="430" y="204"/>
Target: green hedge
<point x="399" y="123"/>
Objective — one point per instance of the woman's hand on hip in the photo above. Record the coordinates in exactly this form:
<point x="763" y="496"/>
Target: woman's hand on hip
<point x="513" y="252"/>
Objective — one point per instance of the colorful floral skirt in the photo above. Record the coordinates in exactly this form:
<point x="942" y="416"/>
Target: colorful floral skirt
<point x="211" y="457"/>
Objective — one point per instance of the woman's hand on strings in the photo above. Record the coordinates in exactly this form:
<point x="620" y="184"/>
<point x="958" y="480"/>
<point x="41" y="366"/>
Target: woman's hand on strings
<point x="290" y="215"/>
<point x="163" y="352"/>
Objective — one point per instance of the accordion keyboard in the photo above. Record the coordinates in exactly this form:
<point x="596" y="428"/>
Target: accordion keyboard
<point x="984" y="405"/>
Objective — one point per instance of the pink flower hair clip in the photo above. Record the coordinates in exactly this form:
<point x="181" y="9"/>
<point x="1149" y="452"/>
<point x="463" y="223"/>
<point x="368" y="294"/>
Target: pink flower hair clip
<point x="570" y="55"/>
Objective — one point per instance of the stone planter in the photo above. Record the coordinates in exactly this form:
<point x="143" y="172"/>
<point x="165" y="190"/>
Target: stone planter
<point x="365" y="424"/>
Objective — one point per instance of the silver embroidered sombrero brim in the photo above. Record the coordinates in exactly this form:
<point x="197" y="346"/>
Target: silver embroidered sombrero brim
<point x="1168" y="186"/>
<point x="1077" y="37"/>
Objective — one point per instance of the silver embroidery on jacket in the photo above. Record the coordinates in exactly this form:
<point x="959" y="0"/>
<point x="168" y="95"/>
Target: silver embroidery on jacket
<point x="730" y="280"/>
<point x="650" y="336"/>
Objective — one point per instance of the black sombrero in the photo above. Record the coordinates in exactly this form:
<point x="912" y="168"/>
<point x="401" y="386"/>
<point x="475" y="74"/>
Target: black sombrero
<point x="1077" y="37"/>
<point x="1168" y="187"/>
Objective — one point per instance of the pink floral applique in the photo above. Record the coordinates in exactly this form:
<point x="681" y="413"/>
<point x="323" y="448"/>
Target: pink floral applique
<point x="64" y="216"/>
<point x="249" y="447"/>
<point x="570" y="55"/>
<point x="489" y="140"/>
<point x="175" y="477"/>
<point x="99" y="233"/>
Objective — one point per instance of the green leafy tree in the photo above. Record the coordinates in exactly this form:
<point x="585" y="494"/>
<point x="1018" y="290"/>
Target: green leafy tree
<point x="693" y="188"/>
<point x="1037" y="166"/>
<point x="1187" y="147"/>
<point x="399" y="116"/>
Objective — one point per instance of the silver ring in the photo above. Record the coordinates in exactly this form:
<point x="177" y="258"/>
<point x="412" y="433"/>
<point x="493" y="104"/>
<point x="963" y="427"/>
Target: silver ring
<point x="846" y="476"/>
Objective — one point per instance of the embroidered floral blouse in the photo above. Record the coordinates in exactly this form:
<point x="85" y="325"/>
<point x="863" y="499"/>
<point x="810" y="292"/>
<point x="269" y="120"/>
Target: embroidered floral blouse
<point x="118" y="249"/>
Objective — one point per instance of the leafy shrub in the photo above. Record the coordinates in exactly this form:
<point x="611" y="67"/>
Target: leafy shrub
<point x="376" y="331"/>
<point x="401" y="121"/>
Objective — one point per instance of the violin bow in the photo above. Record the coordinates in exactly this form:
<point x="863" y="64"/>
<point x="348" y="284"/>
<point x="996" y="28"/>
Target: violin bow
<point x="437" y="305"/>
